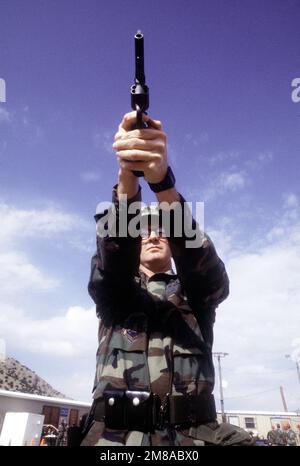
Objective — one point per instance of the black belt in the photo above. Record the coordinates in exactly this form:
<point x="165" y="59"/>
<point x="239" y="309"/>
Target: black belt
<point x="144" y="411"/>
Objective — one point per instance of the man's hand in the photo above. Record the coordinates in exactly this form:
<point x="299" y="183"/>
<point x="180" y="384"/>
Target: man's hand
<point x="141" y="149"/>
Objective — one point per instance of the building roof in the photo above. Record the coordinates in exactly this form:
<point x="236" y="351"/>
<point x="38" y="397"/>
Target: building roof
<point x="47" y="399"/>
<point x="261" y="413"/>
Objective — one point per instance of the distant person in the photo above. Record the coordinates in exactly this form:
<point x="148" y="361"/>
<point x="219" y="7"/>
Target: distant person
<point x="75" y="433"/>
<point x="298" y="434"/>
<point x="62" y="434"/>
<point x="82" y="421"/>
<point x="291" y="436"/>
<point x="280" y="436"/>
<point x="51" y="436"/>
<point x="271" y="436"/>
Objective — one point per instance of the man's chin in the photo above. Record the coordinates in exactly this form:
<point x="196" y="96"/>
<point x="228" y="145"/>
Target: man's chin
<point x="155" y="256"/>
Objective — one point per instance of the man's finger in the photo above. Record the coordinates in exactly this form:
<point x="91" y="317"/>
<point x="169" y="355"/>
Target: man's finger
<point x="134" y="143"/>
<point x="148" y="133"/>
<point x="154" y="123"/>
<point x="128" y="121"/>
<point x="119" y="134"/>
<point x="138" y="166"/>
<point x="135" y="154"/>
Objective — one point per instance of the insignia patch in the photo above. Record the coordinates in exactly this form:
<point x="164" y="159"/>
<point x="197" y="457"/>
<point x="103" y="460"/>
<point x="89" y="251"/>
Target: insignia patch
<point x="131" y="334"/>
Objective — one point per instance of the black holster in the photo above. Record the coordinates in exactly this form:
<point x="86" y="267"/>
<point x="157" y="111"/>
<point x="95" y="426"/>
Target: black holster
<point x="145" y="411"/>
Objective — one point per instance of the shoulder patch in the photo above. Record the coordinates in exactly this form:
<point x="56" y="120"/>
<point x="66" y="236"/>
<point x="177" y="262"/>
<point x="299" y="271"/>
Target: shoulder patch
<point x="130" y="334"/>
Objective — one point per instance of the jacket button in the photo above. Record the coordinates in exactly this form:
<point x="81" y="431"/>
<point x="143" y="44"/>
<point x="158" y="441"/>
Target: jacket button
<point x="136" y="401"/>
<point x="111" y="401"/>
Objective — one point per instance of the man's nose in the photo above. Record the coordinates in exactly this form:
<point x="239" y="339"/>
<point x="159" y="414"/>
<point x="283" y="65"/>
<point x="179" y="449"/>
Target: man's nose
<point x="153" y="235"/>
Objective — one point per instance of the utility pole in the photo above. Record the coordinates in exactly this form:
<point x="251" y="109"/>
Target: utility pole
<point x="219" y="356"/>
<point x="283" y="399"/>
<point x="297" y="365"/>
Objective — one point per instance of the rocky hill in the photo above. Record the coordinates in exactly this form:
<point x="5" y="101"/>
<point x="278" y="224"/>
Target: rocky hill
<point x="18" y="378"/>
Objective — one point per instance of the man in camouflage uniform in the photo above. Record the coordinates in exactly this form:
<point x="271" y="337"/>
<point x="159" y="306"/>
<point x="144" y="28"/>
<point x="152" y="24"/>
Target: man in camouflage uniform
<point x="280" y="439"/>
<point x="291" y="436"/>
<point x="155" y="375"/>
<point x="271" y="436"/>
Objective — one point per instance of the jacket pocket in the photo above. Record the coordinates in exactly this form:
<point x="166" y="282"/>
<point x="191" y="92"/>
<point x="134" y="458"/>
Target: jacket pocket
<point x="187" y="363"/>
<point x="123" y="366"/>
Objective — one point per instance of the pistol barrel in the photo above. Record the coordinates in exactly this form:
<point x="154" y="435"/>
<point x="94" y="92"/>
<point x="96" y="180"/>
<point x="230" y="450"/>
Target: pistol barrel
<point x="139" y="58"/>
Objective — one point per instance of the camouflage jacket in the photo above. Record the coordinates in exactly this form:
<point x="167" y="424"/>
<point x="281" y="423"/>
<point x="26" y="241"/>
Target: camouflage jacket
<point x="291" y="437"/>
<point x="155" y="334"/>
<point x="271" y="437"/>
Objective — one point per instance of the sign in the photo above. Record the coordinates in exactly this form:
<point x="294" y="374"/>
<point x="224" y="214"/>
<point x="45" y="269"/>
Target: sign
<point x="64" y="412"/>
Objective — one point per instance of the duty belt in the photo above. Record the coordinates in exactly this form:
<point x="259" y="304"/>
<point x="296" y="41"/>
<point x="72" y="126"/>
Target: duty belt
<point x="144" y="411"/>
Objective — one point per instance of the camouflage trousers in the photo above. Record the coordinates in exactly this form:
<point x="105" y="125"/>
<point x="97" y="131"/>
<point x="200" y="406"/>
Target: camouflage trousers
<point x="212" y="433"/>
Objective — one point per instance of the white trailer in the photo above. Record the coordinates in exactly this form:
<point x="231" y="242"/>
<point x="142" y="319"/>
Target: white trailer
<point x="21" y="429"/>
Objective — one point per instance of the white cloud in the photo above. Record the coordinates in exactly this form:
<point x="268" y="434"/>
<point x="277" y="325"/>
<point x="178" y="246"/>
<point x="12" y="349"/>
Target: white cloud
<point x="258" y="162"/>
<point x="251" y="369"/>
<point x="64" y="336"/>
<point x="295" y="355"/>
<point x="18" y="274"/>
<point x="78" y="384"/>
<point x="17" y="224"/>
<point x="68" y="337"/>
<point x="235" y="177"/>
<point x="91" y="176"/>
<point x="223" y="156"/>
<point x="259" y="321"/>
<point x="20" y="228"/>
<point x="196" y="140"/>
<point x="265" y="157"/>
<point x="232" y="181"/>
<point x="289" y="219"/>
<point x="67" y="341"/>
<point x="290" y="200"/>
<point x="5" y="115"/>
<point x="2" y="349"/>
<point x="103" y="139"/>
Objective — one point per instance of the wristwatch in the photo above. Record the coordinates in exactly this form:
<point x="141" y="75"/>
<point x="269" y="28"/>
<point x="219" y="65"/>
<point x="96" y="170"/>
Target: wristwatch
<point x="167" y="183"/>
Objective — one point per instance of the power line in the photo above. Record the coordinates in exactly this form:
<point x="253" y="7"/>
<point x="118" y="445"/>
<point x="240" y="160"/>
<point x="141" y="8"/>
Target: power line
<point x="249" y="395"/>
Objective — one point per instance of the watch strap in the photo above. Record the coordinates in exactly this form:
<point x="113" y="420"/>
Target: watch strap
<point x="167" y="183"/>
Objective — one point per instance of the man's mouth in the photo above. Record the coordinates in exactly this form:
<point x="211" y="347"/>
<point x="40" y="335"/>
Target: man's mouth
<point x="153" y="247"/>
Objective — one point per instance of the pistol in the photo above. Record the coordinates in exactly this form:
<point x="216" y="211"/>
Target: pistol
<point x="139" y="91"/>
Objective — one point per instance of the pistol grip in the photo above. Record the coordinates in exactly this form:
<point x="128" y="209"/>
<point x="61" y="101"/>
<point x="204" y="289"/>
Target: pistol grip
<point x="140" y="124"/>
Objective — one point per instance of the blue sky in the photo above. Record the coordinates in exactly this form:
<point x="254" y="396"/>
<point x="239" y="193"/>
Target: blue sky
<point x="220" y="78"/>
